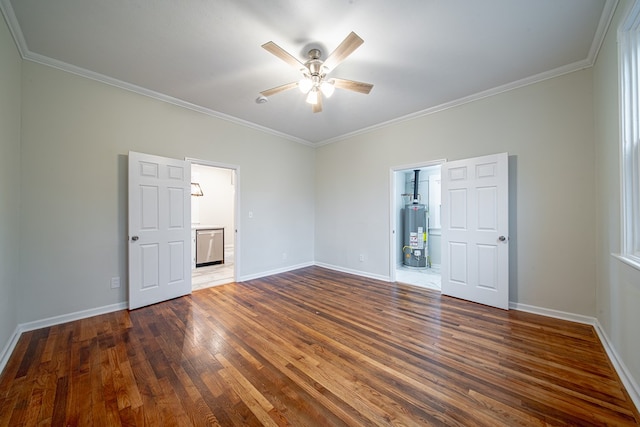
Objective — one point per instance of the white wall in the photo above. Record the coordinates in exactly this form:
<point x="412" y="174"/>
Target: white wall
<point x="547" y="128"/>
<point x="618" y="285"/>
<point x="73" y="230"/>
<point x="216" y="206"/>
<point x="10" y="67"/>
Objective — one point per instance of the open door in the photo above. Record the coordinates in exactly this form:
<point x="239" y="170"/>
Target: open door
<point x="159" y="229"/>
<point x="475" y="226"/>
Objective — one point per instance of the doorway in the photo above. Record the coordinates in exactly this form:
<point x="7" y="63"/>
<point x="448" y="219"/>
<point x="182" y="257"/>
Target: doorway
<point x="213" y="212"/>
<point x="416" y="229"/>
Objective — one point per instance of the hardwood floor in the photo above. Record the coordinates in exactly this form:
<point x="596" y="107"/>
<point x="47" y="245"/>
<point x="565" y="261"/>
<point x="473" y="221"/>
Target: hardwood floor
<point x="313" y="347"/>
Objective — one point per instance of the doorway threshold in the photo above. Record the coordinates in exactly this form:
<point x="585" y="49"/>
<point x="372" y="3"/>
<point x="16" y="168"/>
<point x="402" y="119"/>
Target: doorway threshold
<point x="423" y="277"/>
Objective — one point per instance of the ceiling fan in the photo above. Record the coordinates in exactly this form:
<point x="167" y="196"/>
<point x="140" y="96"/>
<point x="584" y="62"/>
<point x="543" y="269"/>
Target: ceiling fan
<point x="314" y="82"/>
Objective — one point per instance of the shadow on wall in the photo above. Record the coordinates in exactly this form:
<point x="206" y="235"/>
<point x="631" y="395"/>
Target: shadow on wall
<point x="123" y="220"/>
<point x="513" y="228"/>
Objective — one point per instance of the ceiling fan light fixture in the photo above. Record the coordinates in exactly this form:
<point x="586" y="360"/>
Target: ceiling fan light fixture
<point x="312" y="96"/>
<point x="327" y="88"/>
<point x="305" y="85"/>
<point x="314" y="82"/>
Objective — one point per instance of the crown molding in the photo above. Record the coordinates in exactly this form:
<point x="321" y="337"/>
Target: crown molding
<point x="63" y="66"/>
<point x="26" y="54"/>
<point x="576" y="66"/>
<point x="14" y="27"/>
<point x="601" y="31"/>
<point x="606" y="17"/>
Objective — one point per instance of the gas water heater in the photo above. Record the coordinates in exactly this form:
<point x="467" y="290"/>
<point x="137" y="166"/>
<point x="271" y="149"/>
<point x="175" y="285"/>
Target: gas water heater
<point x="414" y="247"/>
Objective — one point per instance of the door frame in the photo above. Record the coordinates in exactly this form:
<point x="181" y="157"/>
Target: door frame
<point x="393" y="214"/>
<point x="236" y="207"/>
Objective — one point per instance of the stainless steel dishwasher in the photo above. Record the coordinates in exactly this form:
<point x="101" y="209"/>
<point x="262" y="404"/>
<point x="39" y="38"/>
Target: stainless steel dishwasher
<point x="209" y="246"/>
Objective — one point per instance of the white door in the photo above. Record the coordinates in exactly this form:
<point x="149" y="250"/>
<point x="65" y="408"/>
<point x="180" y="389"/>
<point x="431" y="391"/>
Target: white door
<point x="475" y="226"/>
<point x="159" y="229"/>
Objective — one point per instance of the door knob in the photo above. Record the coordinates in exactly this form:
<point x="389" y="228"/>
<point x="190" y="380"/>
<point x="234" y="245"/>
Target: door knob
<point x="134" y="238"/>
<point x="502" y="238"/>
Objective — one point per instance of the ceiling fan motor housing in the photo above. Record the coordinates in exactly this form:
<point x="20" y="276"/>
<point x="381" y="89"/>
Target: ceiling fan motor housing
<point x="314" y="64"/>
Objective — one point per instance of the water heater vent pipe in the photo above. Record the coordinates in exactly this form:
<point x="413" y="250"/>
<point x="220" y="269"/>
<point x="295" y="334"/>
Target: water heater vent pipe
<point x="415" y="186"/>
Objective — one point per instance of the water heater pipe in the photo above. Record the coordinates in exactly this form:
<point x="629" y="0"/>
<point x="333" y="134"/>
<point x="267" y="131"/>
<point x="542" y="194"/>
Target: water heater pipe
<point x="415" y="186"/>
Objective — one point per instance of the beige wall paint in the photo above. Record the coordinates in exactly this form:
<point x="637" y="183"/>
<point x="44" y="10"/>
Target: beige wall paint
<point x="77" y="133"/>
<point x="618" y="285"/>
<point x="70" y="225"/>
<point x="547" y="128"/>
<point x="10" y="68"/>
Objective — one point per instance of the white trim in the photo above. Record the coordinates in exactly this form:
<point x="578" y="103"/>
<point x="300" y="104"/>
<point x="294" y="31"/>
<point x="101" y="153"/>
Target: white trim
<point x="621" y="369"/>
<point x="608" y="11"/>
<point x="52" y="321"/>
<point x="211" y="163"/>
<point x="63" y="66"/>
<point x="576" y="66"/>
<point x="629" y="261"/>
<point x="393" y="233"/>
<point x="419" y="165"/>
<point x="70" y="317"/>
<point x="606" y="17"/>
<point x="548" y="312"/>
<point x="9" y="347"/>
<point x="605" y="20"/>
<point x="629" y="103"/>
<point x="275" y="271"/>
<point x="626" y="377"/>
<point x="355" y="272"/>
<point x="623" y="372"/>
<point x="237" y="261"/>
<point x="393" y="214"/>
<point x="14" y="27"/>
<point x="26" y="54"/>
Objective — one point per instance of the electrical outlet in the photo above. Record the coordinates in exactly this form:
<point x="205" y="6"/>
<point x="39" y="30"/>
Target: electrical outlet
<point x="284" y="255"/>
<point x="115" y="282"/>
<point x="361" y="257"/>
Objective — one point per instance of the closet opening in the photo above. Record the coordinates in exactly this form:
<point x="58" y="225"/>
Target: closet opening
<point x="416" y="245"/>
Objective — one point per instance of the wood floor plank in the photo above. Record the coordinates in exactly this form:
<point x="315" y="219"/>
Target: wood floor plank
<point x="314" y="347"/>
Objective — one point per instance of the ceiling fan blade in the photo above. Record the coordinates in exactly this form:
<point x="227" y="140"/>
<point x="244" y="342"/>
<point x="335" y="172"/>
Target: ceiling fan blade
<point x="352" y="85"/>
<point x="348" y="45"/>
<point x="283" y="54"/>
<point x="279" y="89"/>
<point x="317" y="107"/>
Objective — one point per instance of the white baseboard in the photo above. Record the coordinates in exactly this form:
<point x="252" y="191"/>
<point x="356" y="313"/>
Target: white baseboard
<point x="630" y="384"/>
<point x="556" y="314"/>
<point x="355" y="272"/>
<point x="272" y="272"/>
<point x="627" y="379"/>
<point x="51" y="321"/>
<point x="9" y="347"/>
<point x="64" y="318"/>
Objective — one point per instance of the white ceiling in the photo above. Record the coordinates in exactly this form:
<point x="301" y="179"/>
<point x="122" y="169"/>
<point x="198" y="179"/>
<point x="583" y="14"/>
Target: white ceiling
<point x="420" y="55"/>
